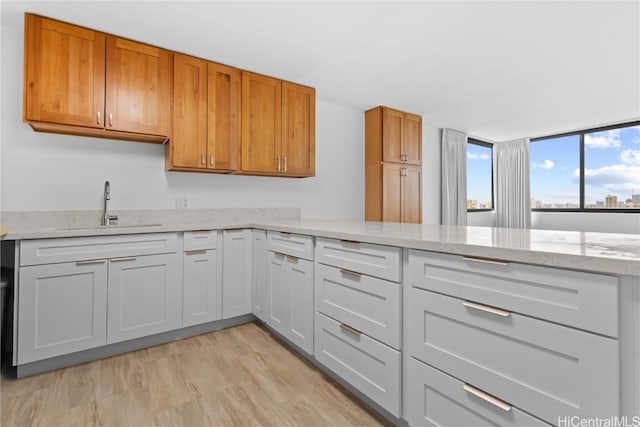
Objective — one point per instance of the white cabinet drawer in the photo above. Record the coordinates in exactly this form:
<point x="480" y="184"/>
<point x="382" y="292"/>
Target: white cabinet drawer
<point x="368" y="304"/>
<point x="584" y="300"/>
<point x="371" y="367"/>
<point x="373" y="260"/>
<point x="200" y="239"/>
<point x="437" y="399"/>
<point x="50" y="251"/>
<point x="542" y="368"/>
<point x="295" y="245"/>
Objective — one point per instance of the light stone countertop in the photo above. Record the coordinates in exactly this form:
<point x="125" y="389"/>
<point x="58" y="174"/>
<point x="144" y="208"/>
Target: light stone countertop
<point x="597" y="252"/>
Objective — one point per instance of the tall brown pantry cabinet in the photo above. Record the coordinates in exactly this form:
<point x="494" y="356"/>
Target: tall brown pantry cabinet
<point x="393" y="166"/>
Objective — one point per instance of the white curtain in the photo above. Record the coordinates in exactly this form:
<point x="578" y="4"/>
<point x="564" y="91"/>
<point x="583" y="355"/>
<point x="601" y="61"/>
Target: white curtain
<point x="454" y="177"/>
<point x="511" y="177"/>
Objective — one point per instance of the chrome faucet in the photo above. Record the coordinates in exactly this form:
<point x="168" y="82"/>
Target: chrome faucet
<point x="106" y="218"/>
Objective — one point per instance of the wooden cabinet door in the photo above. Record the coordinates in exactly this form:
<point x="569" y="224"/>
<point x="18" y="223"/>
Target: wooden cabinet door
<point x="223" y="122"/>
<point x="412" y="194"/>
<point x="236" y="273"/>
<point x="64" y="73"/>
<point x="188" y="144"/>
<point x="261" y="123"/>
<point x="412" y="139"/>
<point x="143" y="296"/>
<point x="138" y="87"/>
<point x="259" y="274"/>
<point x="62" y="308"/>
<point x="392" y="132"/>
<point x="202" y="290"/>
<point x="298" y="130"/>
<point x="391" y="192"/>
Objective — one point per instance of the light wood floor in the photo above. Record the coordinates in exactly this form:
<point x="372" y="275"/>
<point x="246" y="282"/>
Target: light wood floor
<point x="242" y="376"/>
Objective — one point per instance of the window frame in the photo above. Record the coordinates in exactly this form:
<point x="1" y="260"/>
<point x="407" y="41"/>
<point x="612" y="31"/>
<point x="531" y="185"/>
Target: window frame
<point x="581" y="134"/>
<point x="489" y="145"/>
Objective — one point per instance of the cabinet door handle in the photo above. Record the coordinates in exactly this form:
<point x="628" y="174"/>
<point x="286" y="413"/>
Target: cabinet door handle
<point x="487" y="397"/>
<point x="212" y="160"/>
<point x="127" y="258"/>
<point x="110" y="119"/>
<point x="350" y="273"/>
<point x="485" y="260"/>
<point x="486" y="308"/>
<point x="91" y="261"/>
<point x="278" y="163"/>
<point x="285" y="163"/>
<point x="349" y="329"/>
<point x="349" y="242"/>
<point x="98" y="118"/>
<point x="196" y="252"/>
<point x="203" y="160"/>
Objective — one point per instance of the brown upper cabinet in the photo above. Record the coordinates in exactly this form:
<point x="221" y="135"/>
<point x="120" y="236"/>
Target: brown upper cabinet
<point x="82" y="82"/>
<point x="401" y="136"/>
<point x="278" y="127"/>
<point x="393" y="170"/>
<point x="206" y="116"/>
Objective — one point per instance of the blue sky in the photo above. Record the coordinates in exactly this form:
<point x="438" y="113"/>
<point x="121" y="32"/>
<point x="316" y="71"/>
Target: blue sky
<point x="612" y="166"/>
<point x="478" y="173"/>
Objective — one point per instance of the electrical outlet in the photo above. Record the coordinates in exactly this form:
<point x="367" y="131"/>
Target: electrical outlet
<point x="182" y="202"/>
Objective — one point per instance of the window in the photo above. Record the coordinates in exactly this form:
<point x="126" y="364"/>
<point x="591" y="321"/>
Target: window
<point x="595" y="169"/>
<point x="479" y="175"/>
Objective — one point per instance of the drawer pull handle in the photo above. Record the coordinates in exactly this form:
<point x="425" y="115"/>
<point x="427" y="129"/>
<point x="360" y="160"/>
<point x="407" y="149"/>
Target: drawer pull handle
<point x="485" y="260"/>
<point x="487" y="397"/>
<point x="196" y="252"/>
<point x="91" y="261"/>
<point x="350" y="242"/>
<point x="279" y="255"/>
<point x="350" y="329"/>
<point x="486" y="308"/>
<point x="350" y="273"/>
<point x="128" y="258"/>
<point x="285" y="234"/>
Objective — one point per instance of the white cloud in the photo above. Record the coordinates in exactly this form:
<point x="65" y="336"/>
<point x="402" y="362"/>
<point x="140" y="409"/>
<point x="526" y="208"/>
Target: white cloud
<point x="604" y="139"/>
<point x="630" y="157"/>
<point x="614" y="178"/>
<point x="482" y="156"/>
<point x="547" y="164"/>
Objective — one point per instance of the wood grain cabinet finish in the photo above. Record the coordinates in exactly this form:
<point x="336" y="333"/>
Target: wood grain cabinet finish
<point x="298" y="130"/>
<point x="278" y="127"/>
<point x="393" y="166"/>
<point x="206" y="117"/>
<point x="82" y="82"/>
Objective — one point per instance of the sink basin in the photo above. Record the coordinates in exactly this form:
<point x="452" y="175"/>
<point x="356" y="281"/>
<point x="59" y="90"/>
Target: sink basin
<point x="103" y="227"/>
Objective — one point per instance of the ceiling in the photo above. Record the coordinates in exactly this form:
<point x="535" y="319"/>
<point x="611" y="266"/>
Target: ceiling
<point x="496" y="70"/>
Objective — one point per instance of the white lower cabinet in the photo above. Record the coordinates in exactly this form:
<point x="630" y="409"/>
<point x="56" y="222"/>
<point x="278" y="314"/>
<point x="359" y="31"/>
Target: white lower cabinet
<point x="143" y="296"/>
<point x="62" y="308"/>
<point x="366" y="364"/>
<point x="202" y="286"/>
<point x="236" y="272"/>
<point x="259" y="279"/>
<point x="437" y="399"/>
<point x="290" y="285"/>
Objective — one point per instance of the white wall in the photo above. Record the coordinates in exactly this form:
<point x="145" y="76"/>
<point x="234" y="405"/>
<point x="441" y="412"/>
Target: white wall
<point x="42" y="171"/>
<point x="430" y="173"/>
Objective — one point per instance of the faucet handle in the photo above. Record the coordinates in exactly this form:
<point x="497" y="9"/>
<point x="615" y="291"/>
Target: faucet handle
<point x="110" y="219"/>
